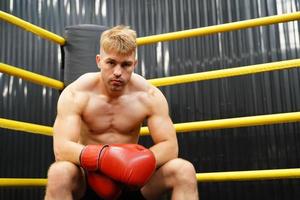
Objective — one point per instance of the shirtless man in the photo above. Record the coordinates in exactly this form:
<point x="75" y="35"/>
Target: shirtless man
<point x="96" y="132"/>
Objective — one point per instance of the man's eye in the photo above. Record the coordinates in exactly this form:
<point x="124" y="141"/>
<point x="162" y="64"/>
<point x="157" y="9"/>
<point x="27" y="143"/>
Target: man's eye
<point x="110" y="62"/>
<point x="126" y="65"/>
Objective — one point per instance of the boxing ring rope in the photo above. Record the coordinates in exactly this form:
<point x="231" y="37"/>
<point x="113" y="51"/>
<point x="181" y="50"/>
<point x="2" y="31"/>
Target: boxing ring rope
<point x="229" y="72"/>
<point x="172" y="80"/>
<point x="219" y="28"/>
<point x="162" y="37"/>
<point x="32" y="28"/>
<point x="30" y="76"/>
<point x="21" y="182"/>
<point x="262" y="21"/>
<point x="251" y="175"/>
<point x="256" y="120"/>
<point x="26" y="127"/>
<point x="181" y="127"/>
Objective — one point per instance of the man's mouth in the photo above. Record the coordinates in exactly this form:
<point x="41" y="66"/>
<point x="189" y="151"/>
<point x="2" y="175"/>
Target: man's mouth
<point x="116" y="82"/>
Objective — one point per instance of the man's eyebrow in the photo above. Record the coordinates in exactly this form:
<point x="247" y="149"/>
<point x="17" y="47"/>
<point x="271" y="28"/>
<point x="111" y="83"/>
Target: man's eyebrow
<point x="110" y="59"/>
<point x="127" y="62"/>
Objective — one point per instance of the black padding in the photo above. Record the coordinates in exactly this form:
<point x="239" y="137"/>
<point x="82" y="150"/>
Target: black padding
<point x="82" y="45"/>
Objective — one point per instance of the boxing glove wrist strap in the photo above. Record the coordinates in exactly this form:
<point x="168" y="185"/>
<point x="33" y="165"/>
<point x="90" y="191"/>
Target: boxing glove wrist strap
<point x="90" y="155"/>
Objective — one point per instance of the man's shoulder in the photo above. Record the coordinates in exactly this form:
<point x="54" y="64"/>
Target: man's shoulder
<point x="85" y="81"/>
<point x="140" y="83"/>
<point x="80" y="86"/>
<point x="148" y="91"/>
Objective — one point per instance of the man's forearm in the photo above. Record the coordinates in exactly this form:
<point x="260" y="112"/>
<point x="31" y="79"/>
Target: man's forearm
<point x="67" y="151"/>
<point x="164" y="151"/>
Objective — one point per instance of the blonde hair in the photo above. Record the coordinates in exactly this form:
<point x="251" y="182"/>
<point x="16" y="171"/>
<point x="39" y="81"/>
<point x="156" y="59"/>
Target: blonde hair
<point x="120" y="39"/>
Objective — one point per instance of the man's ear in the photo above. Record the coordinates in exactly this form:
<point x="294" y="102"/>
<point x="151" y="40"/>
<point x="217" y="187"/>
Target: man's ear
<point x="98" y="58"/>
<point x="135" y="63"/>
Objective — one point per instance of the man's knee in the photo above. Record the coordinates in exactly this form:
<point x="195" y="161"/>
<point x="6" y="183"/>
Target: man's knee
<point x="65" y="181"/>
<point x="182" y="171"/>
<point x="63" y="174"/>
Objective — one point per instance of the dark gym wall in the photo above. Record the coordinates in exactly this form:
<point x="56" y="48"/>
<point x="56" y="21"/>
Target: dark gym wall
<point x="250" y="148"/>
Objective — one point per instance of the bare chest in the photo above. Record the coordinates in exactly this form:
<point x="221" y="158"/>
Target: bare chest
<point x="122" y="116"/>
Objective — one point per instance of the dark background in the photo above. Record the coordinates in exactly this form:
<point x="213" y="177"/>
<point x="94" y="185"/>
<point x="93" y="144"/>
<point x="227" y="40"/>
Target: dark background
<point x="251" y="148"/>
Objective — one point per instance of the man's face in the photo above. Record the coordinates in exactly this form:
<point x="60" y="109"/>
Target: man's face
<point x="116" y="69"/>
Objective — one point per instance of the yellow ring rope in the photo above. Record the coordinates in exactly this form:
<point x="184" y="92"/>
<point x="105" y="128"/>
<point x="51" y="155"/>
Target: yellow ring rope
<point x="201" y="177"/>
<point x="21" y="182"/>
<point x="172" y="80"/>
<point x="180" y="127"/>
<point x="30" y="76"/>
<point x="167" y="36"/>
<point x="32" y="28"/>
<point x="238" y="71"/>
<point x="219" y="28"/>
<point x="26" y="127"/>
<point x="249" y="175"/>
<point x="233" y="122"/>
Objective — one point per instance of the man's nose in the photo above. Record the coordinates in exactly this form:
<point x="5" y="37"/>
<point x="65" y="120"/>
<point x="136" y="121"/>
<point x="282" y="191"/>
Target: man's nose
<point x="118" y="71"/>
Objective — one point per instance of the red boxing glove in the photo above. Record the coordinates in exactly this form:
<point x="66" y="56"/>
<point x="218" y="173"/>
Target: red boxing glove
<point x="103" y="186"/>
<point x="131" y="164"/>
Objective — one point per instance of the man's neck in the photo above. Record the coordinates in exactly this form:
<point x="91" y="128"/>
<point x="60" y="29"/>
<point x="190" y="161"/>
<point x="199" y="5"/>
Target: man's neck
<point x="115" y="94"/>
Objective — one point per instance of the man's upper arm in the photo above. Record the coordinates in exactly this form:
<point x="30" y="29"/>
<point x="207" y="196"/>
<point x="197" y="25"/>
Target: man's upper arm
<point x="159" y="122"/>
<point x="67" y="126"/>
<point x="68" y="121"/>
